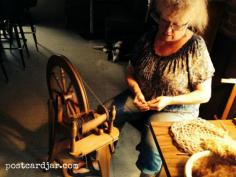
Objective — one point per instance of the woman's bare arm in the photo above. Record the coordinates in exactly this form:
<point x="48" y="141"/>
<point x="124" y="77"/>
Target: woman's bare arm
<point x="139" y="99"/>
<point x="201" y="94"/>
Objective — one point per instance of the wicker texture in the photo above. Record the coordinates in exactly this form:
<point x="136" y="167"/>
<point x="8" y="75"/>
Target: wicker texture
<point x="190" y="135"/>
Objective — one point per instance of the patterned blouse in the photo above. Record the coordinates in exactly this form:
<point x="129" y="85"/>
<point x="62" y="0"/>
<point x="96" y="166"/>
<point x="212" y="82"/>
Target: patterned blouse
<point x="172" y="75"/>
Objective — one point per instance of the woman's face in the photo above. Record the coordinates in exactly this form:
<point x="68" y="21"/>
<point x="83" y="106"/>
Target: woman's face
<point x="172" y="27"/>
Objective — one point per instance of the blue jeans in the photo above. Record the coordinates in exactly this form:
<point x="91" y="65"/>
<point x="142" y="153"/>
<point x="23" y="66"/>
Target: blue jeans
<point x="149" y="160"/>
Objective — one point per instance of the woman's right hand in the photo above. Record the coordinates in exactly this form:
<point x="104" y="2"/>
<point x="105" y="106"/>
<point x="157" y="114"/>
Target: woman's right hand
<point x="140" y="102"/>
<point x="139" y="99"/>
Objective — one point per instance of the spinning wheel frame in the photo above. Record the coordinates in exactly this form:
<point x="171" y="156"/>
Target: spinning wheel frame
<point x="69" y="109"/>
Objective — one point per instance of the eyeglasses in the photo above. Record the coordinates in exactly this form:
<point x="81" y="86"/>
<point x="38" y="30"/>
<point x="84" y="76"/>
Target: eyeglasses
<point x="174" y="26"/>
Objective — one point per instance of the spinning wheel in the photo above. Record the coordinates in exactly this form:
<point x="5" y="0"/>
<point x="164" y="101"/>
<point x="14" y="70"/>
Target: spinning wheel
<point x="64" y="83"/>
<point x="75" y="131"/>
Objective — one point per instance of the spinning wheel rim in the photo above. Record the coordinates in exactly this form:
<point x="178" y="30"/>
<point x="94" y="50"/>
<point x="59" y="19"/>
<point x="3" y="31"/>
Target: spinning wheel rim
<point x="60" y="62"/>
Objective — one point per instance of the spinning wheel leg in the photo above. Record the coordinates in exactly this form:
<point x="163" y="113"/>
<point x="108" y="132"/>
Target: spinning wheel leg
<point x="82" y="169"/>
<point x="51" y="130"/>
<point x="104" y="158"/>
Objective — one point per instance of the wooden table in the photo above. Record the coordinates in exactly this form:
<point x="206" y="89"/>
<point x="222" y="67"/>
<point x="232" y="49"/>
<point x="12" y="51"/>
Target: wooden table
<point x="173" y="159"/>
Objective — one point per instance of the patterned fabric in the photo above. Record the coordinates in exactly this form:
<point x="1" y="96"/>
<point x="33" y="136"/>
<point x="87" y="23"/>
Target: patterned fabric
<point x="172" y="75"/>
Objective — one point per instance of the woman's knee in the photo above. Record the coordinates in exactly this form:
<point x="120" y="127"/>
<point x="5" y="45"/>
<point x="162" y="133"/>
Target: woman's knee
<point x="123" y="102"/>
<point x="125" y="109"/>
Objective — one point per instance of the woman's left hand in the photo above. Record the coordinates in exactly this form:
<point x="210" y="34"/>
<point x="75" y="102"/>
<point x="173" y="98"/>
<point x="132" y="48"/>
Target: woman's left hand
<point x="159" y="103"/>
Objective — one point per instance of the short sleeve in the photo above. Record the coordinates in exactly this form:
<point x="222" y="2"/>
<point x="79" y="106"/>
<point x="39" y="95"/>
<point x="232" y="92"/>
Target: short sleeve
<point x="200" y="64"/>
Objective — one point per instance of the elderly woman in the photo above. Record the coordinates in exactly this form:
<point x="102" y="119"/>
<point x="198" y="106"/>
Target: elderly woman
<point x="169" y="76"/>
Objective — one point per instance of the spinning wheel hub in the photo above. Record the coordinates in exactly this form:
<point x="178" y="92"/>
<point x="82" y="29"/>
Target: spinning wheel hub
<point x="67" y="96"/>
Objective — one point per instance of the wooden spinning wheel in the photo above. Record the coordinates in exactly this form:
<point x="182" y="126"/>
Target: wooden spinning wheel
<point x="64" y="83"/>
<point x="76" y="131"/>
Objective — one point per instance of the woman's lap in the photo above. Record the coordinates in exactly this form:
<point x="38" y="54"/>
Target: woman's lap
<point x="125" y="109"/>
<point x="149" y="160"/>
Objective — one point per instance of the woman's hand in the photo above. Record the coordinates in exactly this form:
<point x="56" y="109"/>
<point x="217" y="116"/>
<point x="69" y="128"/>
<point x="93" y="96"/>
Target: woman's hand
<point x="159" y="103"/>
<point x="140" y="102"/>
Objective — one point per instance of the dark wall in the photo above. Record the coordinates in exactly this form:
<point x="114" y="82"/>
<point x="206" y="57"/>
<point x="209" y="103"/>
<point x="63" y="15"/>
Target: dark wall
<point x="49" y="11"/>
<point x="223" y="54"/>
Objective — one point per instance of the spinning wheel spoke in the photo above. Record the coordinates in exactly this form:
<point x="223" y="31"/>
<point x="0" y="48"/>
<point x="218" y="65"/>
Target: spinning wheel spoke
<point x="56" y="91"/>
<point x="71" y="109"/>
<point x="69" y="87"/>
<point x="75" y="106"/>
<point x="55" y="77"/>
<point x="63" y="79"/>
<point x="74" y="103"/>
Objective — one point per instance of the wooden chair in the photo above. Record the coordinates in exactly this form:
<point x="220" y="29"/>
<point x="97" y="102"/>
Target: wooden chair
<point x="231" y="100"/>
<point x="10" y="12"/>
<point x="3" y="69"/>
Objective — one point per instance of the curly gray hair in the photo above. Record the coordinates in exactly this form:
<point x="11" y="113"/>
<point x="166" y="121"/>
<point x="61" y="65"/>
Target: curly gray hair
<point x="195" y="9"/>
